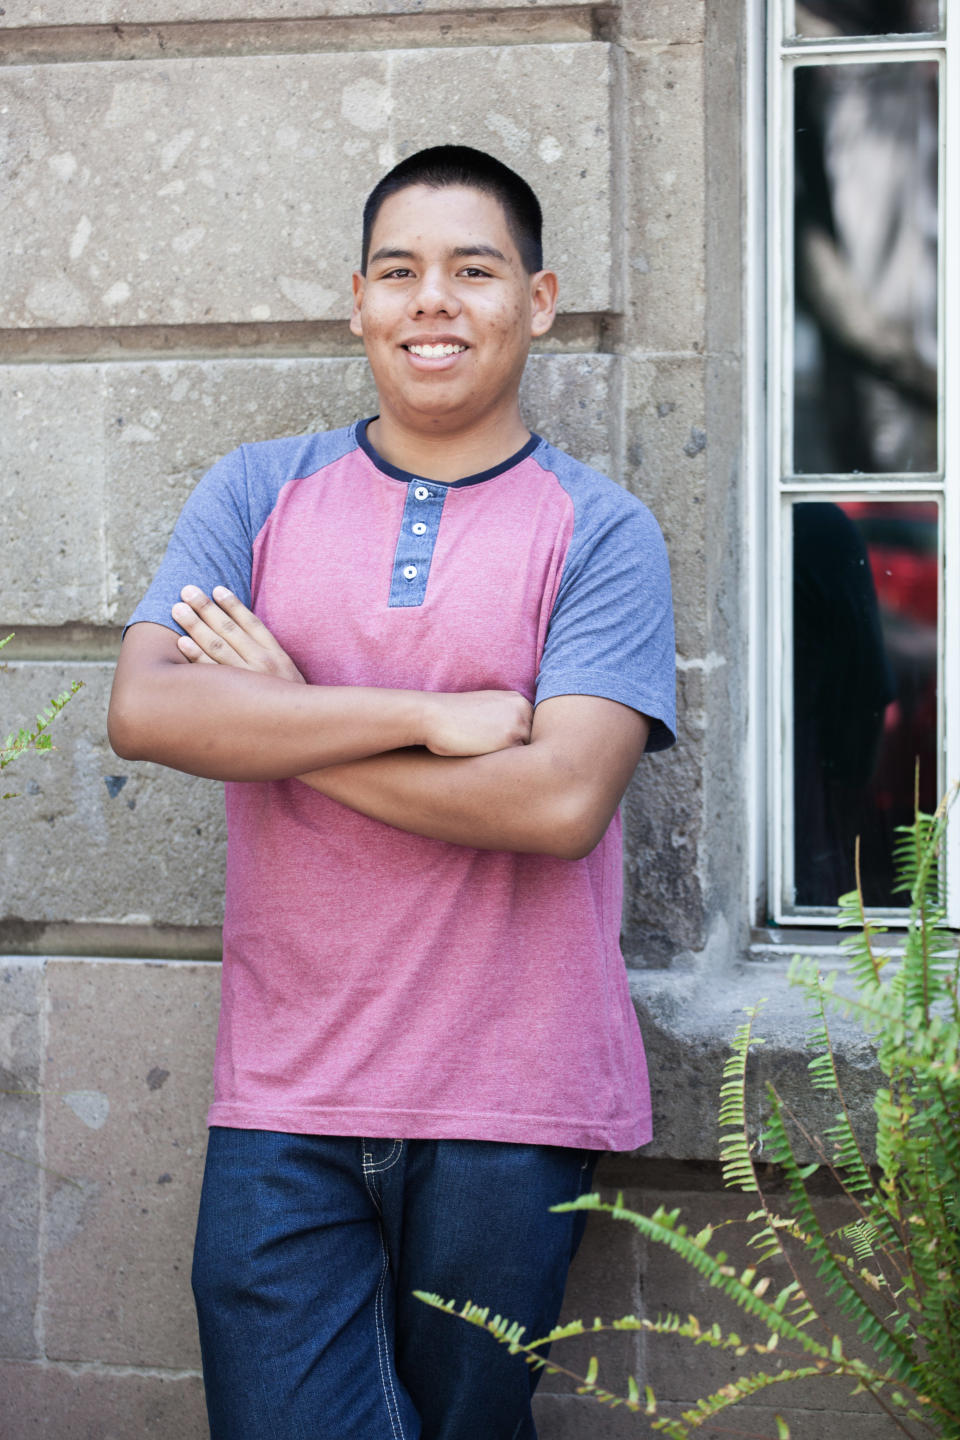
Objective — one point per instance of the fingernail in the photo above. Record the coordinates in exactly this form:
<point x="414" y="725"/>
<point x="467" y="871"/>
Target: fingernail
<point x="179" y="609"/>
<point x="189" y="592"/>
<point x="221" y="590"/>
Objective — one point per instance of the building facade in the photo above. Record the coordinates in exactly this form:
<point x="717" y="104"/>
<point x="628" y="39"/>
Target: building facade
<point x="750" y="213"/>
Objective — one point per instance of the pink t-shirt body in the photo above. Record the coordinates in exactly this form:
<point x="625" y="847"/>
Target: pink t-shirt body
<point x="376" y="982"/>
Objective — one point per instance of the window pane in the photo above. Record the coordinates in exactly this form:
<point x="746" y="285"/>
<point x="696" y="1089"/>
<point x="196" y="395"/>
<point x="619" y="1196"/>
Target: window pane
<point x="865" y="590"/>
<point x="866" y="17"/>
<point x="865" y="353"/>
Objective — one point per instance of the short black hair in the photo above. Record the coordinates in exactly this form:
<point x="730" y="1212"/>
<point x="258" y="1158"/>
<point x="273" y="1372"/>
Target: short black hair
<point x="446" y="165"/>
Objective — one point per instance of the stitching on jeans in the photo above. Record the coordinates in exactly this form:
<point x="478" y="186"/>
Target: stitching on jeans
<point x="386" y="1164"/>
<point x="390" y="1399"/>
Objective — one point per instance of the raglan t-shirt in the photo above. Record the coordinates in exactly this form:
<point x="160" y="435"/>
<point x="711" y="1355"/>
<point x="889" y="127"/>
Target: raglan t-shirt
<point x="380" y="983"/>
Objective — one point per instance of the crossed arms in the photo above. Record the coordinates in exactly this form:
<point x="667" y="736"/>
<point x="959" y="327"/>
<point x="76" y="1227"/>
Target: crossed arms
<point x="480" y="768"/>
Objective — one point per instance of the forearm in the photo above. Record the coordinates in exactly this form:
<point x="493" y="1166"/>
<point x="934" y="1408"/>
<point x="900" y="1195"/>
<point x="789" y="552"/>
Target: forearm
<point x="523" y="799"/>
<point x="555" y="796"/>
<point x="250" y="716"/>
<point x="229" y="724"/>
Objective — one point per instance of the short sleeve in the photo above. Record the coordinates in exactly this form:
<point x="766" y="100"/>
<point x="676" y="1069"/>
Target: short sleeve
<point x="212" y="543"/>
<point x="611" y="628"/>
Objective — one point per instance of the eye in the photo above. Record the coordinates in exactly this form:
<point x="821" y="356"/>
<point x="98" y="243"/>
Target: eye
<point x="475" y="272"/>
<point x="400" y="273"/>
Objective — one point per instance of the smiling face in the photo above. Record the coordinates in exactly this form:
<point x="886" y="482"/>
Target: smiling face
<point x="447" y="311"/>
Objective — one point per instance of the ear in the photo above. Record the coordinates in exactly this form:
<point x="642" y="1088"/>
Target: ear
<point x="356" y="324"/>
<point x="543" y="298"/>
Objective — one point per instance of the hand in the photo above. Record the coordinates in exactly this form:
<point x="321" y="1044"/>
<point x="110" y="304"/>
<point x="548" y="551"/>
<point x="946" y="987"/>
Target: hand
<point x="222" y="631"/>
<point x="476" y="722"/>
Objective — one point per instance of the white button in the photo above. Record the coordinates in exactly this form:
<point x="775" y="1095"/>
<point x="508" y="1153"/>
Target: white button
<point x="421" y="493"/>
<point x="409" y="572"/>
<point x="419" y="528"/>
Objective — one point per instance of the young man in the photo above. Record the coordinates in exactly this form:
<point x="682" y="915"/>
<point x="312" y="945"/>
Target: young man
<point x="426" y="1033"/>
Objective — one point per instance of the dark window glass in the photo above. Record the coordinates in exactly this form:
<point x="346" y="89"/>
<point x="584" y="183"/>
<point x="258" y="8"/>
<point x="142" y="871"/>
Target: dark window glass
<point x="824" y="18"/>
<point x="865" y="355"/>
<point x="865" y="591"/>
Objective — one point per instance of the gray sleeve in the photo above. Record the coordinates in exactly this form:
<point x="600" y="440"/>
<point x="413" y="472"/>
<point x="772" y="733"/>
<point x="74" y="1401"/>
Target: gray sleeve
<point x="212" y="543"/>
<point x="611" y="629"/>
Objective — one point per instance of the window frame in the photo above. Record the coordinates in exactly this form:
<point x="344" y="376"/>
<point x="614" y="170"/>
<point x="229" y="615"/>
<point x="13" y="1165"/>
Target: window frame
<point x="768" y="386"/>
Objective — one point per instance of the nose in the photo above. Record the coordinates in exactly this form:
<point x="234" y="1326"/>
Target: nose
<point x="434" y="295"/>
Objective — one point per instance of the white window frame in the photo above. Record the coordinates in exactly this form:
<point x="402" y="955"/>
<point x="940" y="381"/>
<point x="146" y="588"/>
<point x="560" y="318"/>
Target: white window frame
<point x="769" y="355"/>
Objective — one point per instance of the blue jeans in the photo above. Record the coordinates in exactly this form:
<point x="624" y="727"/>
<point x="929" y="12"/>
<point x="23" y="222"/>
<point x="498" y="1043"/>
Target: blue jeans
<point x="308" y="1249"/>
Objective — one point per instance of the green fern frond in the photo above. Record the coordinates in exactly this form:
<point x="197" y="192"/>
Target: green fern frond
<point x="36" y="740"/>
<point x="735" y="1156"/>
<point x="836" y="1277"/>
<point x="861" y="1235"/>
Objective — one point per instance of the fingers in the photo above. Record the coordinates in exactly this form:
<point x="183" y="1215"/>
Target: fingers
<point x="243" y="618"/>
<point x="225" y="632"/>
<point x="269" y="653"/>
<point x="192" y="652"/>
<point x="214" y="633"/>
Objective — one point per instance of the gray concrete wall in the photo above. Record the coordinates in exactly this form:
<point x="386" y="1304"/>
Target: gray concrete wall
<point x="183" y="183"/>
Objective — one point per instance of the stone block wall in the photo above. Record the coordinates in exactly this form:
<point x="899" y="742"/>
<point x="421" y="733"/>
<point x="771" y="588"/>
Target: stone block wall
<point x="183" y="182"/>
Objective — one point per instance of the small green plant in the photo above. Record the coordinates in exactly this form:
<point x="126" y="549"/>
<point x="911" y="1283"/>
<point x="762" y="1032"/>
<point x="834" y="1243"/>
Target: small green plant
<point x="36" y="739"/>
<point x="892" y="1269"/>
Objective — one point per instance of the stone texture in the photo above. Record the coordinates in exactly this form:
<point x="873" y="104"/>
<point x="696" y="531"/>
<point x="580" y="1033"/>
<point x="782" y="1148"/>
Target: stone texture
<point x="128" y="12"/>
<point x="97" y="838"/>
<point x="726" y="178"/>
<point x="663" y="890"/>
<point x="574" y="1417"/>
<point x="667" y="449"/>
<point x="571" y="400"/>
<point x="98" y="459"/>
<point x="51" y="495"/>
<point x="666" y="217"/>
<point x="666" y="456"/>
<point x="51" y="1402"/>
<point x="129" y="1059"/>
<point x="174" y="192"/>
<point x="662" y="22"/>
<point x="20" y="1152"/>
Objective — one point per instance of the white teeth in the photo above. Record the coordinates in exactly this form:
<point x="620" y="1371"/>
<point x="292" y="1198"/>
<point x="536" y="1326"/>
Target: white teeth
<point x="435" y="352"/>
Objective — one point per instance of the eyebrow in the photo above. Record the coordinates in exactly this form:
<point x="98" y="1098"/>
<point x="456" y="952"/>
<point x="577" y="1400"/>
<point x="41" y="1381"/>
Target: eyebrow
<point x="459" y="252"/>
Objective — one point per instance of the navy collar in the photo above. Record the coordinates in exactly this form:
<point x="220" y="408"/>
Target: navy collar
<point x="406" y="475"/>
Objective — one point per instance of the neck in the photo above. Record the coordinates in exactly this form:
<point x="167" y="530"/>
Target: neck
<point x="443" y="456"/>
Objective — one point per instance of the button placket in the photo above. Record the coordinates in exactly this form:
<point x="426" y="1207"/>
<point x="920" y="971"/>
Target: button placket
<point x="417" y="537"/>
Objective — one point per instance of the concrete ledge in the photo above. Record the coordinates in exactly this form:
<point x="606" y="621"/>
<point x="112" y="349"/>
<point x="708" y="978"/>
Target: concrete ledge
<point x="688" y="1019"/>
<point x="125" y="12"/>
<point x="171" y="40"/>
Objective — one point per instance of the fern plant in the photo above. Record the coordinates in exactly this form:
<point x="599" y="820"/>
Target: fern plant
<point x="35" y="739"/>
<point x="892" y="1269"/>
